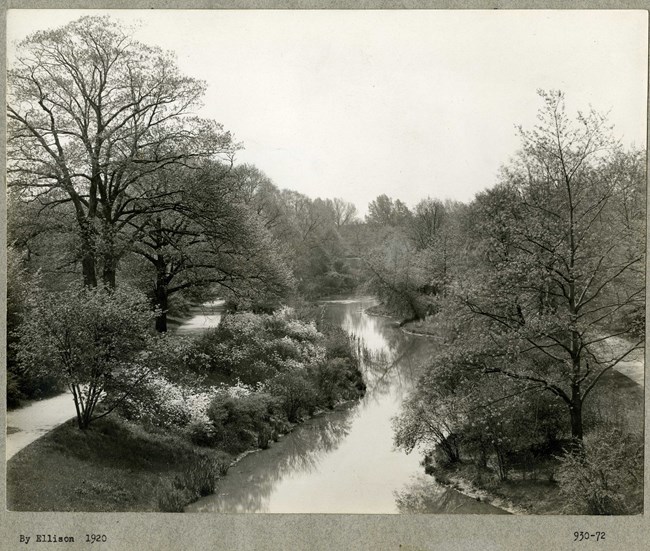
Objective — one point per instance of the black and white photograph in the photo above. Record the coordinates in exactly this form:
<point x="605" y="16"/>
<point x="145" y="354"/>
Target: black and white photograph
<point x="352" y="262"/>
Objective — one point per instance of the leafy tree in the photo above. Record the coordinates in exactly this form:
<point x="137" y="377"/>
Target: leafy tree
<point x="436" y="230"/>
<point x="260" y="194"/>
<point x="463" y="414"/>
<point x="208" y="239"/>
<point x="384" y="211"/>
<point x="92" y="113"/>
<point x="345" y="213"/>
<point x="22" y="383"/>
<point x="429" y="216"/>
<point x="430" y="418"/>
<point x="90" y="339"/>
<point x="396" y="273"/>
<point x="45" y="240"/>
<point x="555" y="269"/>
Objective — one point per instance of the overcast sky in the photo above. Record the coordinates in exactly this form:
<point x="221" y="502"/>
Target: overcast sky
<point x="354" y="104"/>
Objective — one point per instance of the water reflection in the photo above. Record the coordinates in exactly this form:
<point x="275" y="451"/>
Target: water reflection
<point x="424" y="495"/>
<point x="249" y="484"/>
<point x="344" y="461"/>
<point x="392" y="358"/>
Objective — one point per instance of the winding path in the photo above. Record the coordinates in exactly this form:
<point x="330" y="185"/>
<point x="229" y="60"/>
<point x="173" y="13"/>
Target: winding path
<point x="26" y="424"/>
<point x="29" y="423"/>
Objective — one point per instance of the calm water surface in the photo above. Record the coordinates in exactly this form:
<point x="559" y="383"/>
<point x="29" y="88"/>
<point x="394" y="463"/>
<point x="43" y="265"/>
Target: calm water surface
<point x="344" y="461"/>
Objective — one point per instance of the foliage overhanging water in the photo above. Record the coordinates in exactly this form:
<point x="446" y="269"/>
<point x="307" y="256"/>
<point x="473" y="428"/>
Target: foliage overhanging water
<point x="344" y="461"/>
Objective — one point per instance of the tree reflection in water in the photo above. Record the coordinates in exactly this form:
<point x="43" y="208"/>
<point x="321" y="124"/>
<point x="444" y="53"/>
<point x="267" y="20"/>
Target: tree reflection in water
<point x="390" y="358"/>
<point x="424" y="495"/>
<point x="249" y="484"/>
<point x="345" y="461"/>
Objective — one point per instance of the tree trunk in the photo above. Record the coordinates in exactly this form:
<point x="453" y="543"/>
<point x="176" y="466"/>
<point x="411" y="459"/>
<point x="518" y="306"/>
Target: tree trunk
<point x="88" y="264"/>
<point x="161" y="319"/>
<point x="88" y="252"/>
<point x="88" y="269"/>
<point x="109" y="254"/>
<point x="75" y="390"/>
<point x="161" y="297"/>
<point x="576" y="418"/>
<point x="108" y="273"/>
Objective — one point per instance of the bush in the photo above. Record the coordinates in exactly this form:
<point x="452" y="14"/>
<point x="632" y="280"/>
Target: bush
<point x="240" y="420"/>
<point x="296" y="393"/>
<point x="338" y="379"/>
<point x="606" y="476"/>
<point x="255" y="348"/>
<point x="86" y="338"/>
<point x="161" y="402"/>
<point x="157" y="402"/>
<point x="201" y="432"/>
<point x="179" y="358"/>
<point x="14" y="395"/>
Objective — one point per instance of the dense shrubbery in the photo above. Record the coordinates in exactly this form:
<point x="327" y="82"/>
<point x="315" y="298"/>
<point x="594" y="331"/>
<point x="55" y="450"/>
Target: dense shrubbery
<point x="256" y="347"/>
<point x="304" y="368"/>
<point x="284" y="369"/>
<point x="246" y="421"/>
<point x="604" y="478"/>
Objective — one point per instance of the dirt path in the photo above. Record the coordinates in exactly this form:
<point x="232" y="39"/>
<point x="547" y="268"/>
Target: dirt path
<point x="29" y="423"/>
<point x="202" y="317"/>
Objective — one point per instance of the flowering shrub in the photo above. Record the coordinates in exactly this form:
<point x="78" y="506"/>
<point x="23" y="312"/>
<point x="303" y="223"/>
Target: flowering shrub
<point x="88" y="338"/>
<point x="255" y="348"/>
<point x="283" y="367"/>
<point x="604" y="478"/>
<point x="159" y="402"/>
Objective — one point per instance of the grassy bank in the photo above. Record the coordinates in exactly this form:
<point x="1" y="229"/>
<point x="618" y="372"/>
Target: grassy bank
<point x="536" y="479"/>
<point x="113" y="466"/>
<point x="178" y="430"/>
<point x="380" y="310"/>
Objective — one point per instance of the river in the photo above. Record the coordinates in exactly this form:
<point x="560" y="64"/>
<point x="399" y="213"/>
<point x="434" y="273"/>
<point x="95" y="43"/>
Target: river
<point x="344" y="461"/>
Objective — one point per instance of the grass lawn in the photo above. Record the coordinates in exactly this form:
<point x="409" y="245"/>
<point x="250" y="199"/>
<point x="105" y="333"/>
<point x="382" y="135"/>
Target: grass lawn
<point x="113" y="466"/>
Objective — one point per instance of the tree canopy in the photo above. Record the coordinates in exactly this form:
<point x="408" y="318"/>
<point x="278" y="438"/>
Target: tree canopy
<point x="92" y="113"/>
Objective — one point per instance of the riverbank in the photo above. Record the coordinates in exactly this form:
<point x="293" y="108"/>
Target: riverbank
<point x="532" y="489"/>
<point x="162" y="458"/>
<point x="518" y="497"/>
<point x="419" y="328"/>
<point x="115" y="465"/>
<point x="539" y="494"/>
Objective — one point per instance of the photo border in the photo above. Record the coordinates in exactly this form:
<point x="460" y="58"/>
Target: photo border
<point x="165" y="531"/>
